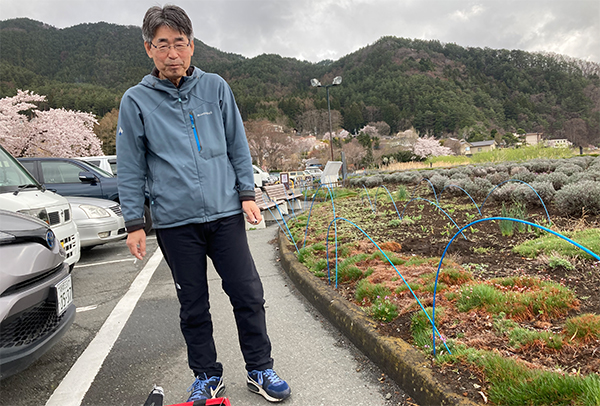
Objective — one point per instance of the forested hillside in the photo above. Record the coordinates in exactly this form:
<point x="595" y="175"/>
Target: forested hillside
<point x="439" y="89"/>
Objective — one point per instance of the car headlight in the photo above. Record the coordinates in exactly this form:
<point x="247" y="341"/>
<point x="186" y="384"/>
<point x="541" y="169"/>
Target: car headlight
<point x="6" y="237"/>
<point x="41" y="214"/>
<point x="94" y="212"/>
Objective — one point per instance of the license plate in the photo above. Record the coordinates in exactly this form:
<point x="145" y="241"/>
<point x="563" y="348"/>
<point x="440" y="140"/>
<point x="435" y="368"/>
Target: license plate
<point x="64" y="295"/>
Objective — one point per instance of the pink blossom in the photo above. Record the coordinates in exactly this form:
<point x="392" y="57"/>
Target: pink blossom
<point x="429" y="146"/>
<point x="27" y="131"/>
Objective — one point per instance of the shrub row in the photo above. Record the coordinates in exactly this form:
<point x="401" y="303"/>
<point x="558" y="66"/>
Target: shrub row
<point x="571" y="184"/>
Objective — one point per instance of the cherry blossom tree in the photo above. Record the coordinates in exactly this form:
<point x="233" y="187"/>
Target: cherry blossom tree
<point x="268" y="143"/>
<point x="429" y="146"/>
<point x="370" y="130"/>
<point x="355" y="154"/>
<point x="342" y="134"/>
<point x="27" y="131"/>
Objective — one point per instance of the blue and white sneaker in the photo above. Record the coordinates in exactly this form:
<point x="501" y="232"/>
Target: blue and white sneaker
<point x="269" y="385"/>
<point x="206" y="388"/>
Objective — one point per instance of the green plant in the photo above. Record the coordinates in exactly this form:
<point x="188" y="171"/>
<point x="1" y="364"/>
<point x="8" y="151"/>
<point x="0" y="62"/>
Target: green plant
<point x="318" y="266"/>
<point x="517" y="211"/>
<point x="401" y="193"/>
<point x="395" y="223"/>
<point x="520" y="337"/>
<point x="369" y="291"/>
<point x="384" y="310"/>
<point x="482" y="250"/>
<point x="557" y="261"/>
<point x="502" y="325"/>
<point x="420" y="326"/>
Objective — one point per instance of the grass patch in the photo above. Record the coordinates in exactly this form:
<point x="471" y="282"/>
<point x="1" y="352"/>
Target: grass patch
<point x="323" y="194"/>
<point x="393" y="259"/>
<point x="514" y="384"/>
<point x="519" y="337"/>
<point x="522" y="298"/>
<point x="549" y="244"/>
<point x="521" y="154"/>
<point x="585" y="327"/>
<point x="366" y="290"/>
<point x="420" y="327"/>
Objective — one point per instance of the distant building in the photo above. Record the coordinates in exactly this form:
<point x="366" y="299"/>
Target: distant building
<point x="559" y="143"/>
<point x="533" y="138"/>
<point x="471" y="148"/>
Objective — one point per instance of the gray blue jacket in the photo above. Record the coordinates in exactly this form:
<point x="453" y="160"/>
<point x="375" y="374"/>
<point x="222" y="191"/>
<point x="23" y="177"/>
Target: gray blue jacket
<point x="188" y="146"/>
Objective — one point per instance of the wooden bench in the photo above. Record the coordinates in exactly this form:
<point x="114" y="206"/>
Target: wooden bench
<point x="278" y="193"/>
<point x="271" y="211"/>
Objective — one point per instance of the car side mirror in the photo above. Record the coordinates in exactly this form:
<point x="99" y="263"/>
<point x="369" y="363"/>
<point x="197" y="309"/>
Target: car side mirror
<point x="87" y="177"/>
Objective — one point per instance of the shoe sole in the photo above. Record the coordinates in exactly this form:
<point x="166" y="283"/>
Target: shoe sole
<point x="254" y="387"/>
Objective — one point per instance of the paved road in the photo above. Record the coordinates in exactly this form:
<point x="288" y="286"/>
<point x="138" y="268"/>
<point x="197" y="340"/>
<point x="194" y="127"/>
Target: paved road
<point x="318" y="362"/>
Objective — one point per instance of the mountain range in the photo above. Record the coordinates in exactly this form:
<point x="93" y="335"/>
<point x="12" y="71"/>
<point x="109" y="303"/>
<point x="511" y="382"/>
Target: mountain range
<point x="437" y="88"/>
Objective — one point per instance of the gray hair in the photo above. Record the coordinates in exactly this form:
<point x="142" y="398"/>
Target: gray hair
<point x="171" y="16"/>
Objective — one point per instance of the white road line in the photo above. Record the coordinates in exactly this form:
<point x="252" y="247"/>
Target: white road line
<point x="86" y="308"/>
<point x="78" y="380"/>
<point x="104" y="263"/>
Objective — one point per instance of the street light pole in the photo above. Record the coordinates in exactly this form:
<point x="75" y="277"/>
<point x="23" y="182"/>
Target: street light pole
<point x="336" y="81"/>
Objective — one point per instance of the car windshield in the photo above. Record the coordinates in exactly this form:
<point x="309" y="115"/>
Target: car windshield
<point x="13" y="176"/>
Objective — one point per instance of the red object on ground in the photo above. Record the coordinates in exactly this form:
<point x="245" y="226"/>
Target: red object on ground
<point x="207" y="402"/>
<point x="156" y="399"/>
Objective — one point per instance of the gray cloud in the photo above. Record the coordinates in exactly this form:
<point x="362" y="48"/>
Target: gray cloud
<point x="329" y="29"/>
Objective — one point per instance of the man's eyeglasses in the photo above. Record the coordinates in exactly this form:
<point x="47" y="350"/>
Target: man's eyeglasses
<point x="164" y="49"/>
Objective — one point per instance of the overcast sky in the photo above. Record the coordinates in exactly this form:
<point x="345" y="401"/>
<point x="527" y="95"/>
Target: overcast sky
<point x="314" y="30"/>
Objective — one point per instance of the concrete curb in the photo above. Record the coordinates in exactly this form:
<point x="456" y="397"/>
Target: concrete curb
<point x="399" y="360"/>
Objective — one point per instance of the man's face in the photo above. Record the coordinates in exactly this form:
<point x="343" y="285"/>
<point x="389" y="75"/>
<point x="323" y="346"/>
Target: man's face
<point x="171" y="64"/>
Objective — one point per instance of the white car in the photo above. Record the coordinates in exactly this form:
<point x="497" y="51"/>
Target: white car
<point x="98" y="220"/>
<point x="106" y="162"/>
<point x="262" y="178"/>
<point x="20" y="192"/>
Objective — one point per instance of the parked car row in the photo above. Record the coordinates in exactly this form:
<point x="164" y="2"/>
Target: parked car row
<point x="74" y="177"/>
<point x="42" y="233"/>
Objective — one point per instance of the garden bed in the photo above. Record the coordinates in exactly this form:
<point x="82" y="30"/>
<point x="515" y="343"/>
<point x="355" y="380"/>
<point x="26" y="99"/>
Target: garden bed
<point x="415" y="243"/>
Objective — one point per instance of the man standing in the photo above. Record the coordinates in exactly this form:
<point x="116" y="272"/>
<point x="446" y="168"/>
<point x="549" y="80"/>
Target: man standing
<point x="181" y="135"/>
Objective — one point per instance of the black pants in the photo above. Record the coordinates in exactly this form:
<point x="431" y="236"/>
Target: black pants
<point x="185" y="249"/>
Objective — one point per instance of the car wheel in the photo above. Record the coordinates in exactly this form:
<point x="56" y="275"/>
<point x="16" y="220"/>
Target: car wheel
<point x="147" y="220"/>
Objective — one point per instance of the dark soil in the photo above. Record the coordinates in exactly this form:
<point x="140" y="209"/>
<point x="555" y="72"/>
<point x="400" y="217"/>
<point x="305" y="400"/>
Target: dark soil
<point x="485" y="252"/>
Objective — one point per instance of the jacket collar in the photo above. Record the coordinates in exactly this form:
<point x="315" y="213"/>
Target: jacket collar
<point x="153" y="81"/>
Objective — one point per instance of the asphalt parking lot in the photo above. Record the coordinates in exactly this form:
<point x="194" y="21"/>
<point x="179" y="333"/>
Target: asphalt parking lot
<point x="126" y="339"/>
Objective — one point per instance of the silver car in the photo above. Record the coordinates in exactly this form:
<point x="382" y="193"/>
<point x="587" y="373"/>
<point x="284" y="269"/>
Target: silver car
<point x="36" y="292"/>
<point x="98" y="220"/>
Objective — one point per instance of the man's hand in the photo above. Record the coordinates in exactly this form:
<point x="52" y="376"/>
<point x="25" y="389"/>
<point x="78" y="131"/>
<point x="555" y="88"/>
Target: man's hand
<point x="252" y="211"/>
<point x="136" y="241"/>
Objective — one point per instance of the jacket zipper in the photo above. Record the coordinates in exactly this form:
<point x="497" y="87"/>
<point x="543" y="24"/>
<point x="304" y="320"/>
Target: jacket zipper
<point x="195" y="132"/>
